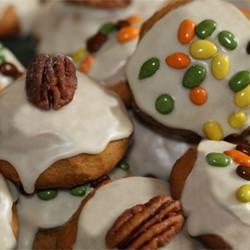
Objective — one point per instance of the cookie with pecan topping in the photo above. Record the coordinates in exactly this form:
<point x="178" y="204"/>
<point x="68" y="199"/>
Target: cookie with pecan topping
<point x="154" y="224"/>
<point x="107" y="4"/>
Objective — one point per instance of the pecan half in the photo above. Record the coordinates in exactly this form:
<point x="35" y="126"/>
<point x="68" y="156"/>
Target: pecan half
<point x="10" y="70"/>
<point x="147" y="226"/>
<point x="51" y="81"/>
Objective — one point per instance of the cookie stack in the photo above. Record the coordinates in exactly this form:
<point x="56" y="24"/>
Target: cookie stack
<point x="129" y="129"/>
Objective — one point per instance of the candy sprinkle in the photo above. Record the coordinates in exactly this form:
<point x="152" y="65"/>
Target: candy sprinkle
<point x="239" y="157"/>
<point x="149" y="68"/>
<point x="128" y="33"/>
<point x="186" y="31"/>
<point x="178" y="60"/>
<point x="198" y="96"/>
<point x="86" y="64"/>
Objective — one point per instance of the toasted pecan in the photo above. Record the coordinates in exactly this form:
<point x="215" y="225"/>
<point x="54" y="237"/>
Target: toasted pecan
<point x="147" y="226"/>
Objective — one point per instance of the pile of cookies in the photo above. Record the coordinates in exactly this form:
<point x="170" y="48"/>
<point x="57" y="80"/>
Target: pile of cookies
<point x="130" y="129"/>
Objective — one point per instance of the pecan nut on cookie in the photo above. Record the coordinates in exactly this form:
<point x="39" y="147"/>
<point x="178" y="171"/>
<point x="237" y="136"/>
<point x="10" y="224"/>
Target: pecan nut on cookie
<point x="8" y="216"/>
<point x="149" y="207"/>
<point x="189" y="74"/>
<point x="17" y="16"/>
<point x="212" y="182"/>
<point x="63" y="129"/>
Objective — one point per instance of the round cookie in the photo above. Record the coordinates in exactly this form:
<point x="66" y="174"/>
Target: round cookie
<point x="214" y="193"/>
<point x="51" y="211"/>
<point x="8" y="216"/>
<point x="91" y="235"/>
<point x="17" y="16"/>
<point x="179" y="90"/>
<point x="10" y="67"/>
<point x="60" y="147"/>
<point x="80" y="22"/>
<point x="103" y="4"/>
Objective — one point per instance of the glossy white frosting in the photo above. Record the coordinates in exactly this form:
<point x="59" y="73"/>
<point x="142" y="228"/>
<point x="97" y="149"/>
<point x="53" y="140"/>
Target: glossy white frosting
<point x="209" y="199"/>
<point x="81" y="22"/>
<point x="8" y="240"/>
<point x="26" y="10"/>
<point x="32" y="139"/>
<point x="49" y="214"/>
<point x="101" y="211"/>
<point x="220" y="102"/>
<point x="152" y="153"/>
<point x="9" y="57"/>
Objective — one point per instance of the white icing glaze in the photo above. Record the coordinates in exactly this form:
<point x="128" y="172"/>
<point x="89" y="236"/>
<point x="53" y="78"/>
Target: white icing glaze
<point x="209" y="199"/>
<point x="9" y="57"/>
<point x="110" y="201"/>
<point x="152" y="153"/>
<point x="168" y="80"/>
<point x="32" y="139"/>
<point x="8" y="240"/>
<point x="26" y="10"/>
<point x="81" y="22"/>
<point x="49" y="214"/>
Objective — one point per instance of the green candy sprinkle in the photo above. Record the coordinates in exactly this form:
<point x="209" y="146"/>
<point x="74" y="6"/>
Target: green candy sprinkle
<point x="124" y="165"/>
<point x="239" y="81"/>
<point x="227" y="40"/>
<point x="149" y="68"/>
<point x="194" y="76"/>
<point x="205" y="28"/>
<point x="218" y="160"/>
<point x="2" y="58"/>
<point x="107" y="28"/>
<point x="79" y="191"/>
<point x="47" y="194"/>
<point x="1" y="46"/>
<point x="164" y="104"/>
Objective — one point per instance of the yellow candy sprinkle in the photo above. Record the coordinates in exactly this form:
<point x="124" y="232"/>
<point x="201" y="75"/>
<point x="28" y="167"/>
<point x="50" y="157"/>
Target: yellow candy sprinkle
<point x="78" y="55"/>
<point x="203" y="49"/>
<point x="242" y="98"/>
<point x="237" y="119"/>
<point x="213" y="130"/>
<point x="220" y="66"/>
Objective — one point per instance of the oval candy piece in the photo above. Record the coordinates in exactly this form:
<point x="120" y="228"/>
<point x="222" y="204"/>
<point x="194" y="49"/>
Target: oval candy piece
<point x="243" y="172"/>
<point x="149" y="68"/>
<point x="48" y="194"/>
<point x="205" y="28"/>
<point x="242" y="98"/>
<point x="239" y="157"/>
<point x="79" y="191"/>
<point x="198" y="96"/>
<point x="107" y="28"/>
<point x="203" y="49"/>
<point x="194" y="76"/>
<point x="240" y="80"/>
<point x="213" y="130"/>
<point x="237" y="120"/>
<point x="126" y="34"/>
<point x="218" y="160"/>
<point x="220" y="66"/>
<point x="178" y="60"/>
<point x="227" y="40"/>
<point x="124" y="166"/>
<point x="164" y="104"/>
<point x="186" y="31"/>
<point x="243" y="193"/>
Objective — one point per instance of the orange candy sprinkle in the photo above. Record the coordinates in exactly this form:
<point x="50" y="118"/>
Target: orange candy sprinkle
<point x="239" y="157"/>
<point x="135" y="19"/>
<point x="198" y="96"/>
<point x="127" y="34"/>
<point x="178" y="60"/>
<point x="86" y="64"/>
<point x="186" y="31"/>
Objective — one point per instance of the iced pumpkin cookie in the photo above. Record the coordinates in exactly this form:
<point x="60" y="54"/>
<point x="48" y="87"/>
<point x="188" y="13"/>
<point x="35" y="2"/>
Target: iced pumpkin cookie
<point x="103" y="3"/>
<point x="16" y="16"/>
<point x="8" y="217"/>
<point x="63" y="128"/>
<point x="194" y="81"/>
<point x="150" y="207"/>
<point x="53" y="208"/>
<point x="10" y="67"/>
<point x="213" y="185"/>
